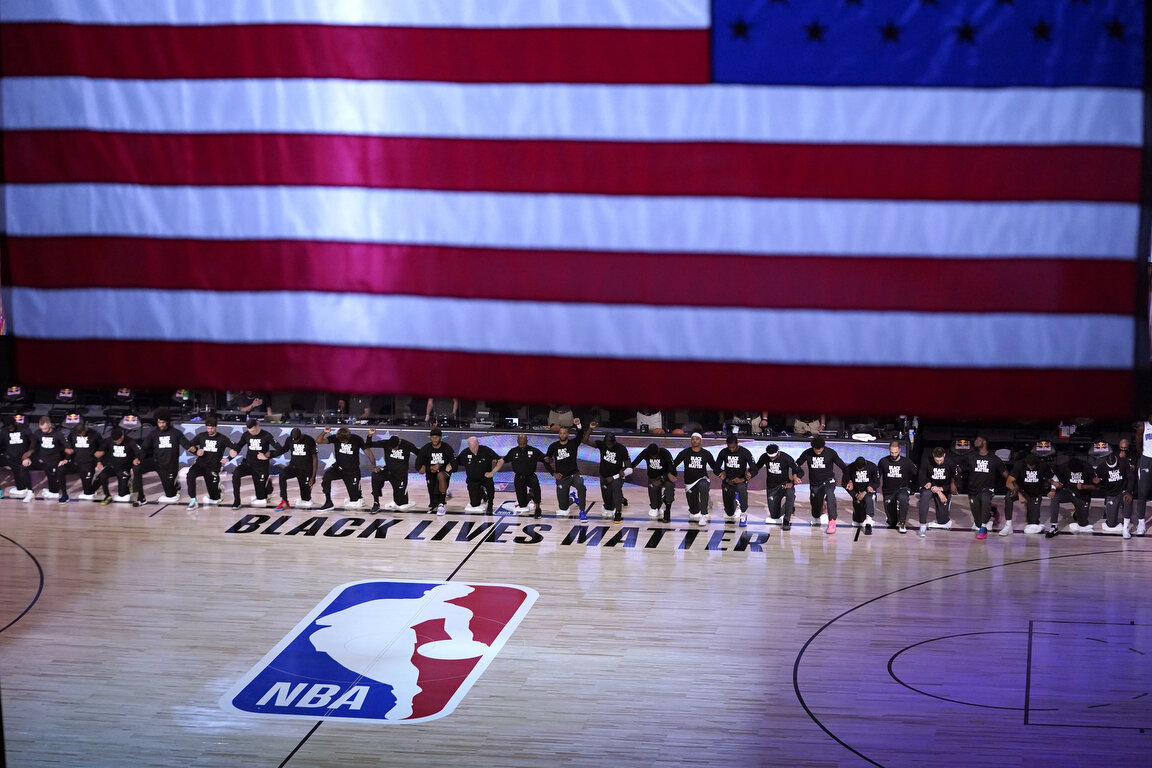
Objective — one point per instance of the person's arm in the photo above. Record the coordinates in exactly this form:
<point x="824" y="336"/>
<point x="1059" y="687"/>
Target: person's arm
<point x="323" y="438"/>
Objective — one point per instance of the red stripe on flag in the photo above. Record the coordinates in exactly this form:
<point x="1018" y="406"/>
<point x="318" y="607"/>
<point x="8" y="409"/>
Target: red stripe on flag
<point x="867" y="171"/>
<point x="536" y="55"/>
<point x="929" y="392"/>
<point x="880" y="284"/>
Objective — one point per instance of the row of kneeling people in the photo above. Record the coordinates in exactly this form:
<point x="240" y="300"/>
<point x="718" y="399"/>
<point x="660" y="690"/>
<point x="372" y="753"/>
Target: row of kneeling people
<point x="895" y="480"/>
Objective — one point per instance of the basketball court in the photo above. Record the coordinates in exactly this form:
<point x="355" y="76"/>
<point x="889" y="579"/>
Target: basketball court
<point x="128" y="633"/>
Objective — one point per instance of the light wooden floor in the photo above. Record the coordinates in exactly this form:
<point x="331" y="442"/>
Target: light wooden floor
<point x="817" y="651"/>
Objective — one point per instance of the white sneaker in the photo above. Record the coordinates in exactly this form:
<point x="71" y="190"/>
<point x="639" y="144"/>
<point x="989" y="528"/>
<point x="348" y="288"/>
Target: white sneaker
<point x="923" y="531"/>
<point x="1077" y="528"/>
<point x="255" y="502"/>
<point x="405" y="507"/>
<point x="1140" y="528"/>
<point x="1007" y="529"/>
<point x="562" y="512"/>
<point x="205" y="500"/>
<point x="531" y="507"/>
<point x="1126" y="533"/>
<point x="774" y="520"/>
<point x="941" y="526"/>
<point x="469" y="509"/>
<point x="358" y="504"/>
<point x="694" y="517"/>
<point x="824" y="519"/>
<point x="702" y="521"/>
<point x="1105" y="528"/>
<point x="47" y="494"/>
<point x="170" y="499"/>
<point x="440" y="510"/>
<point x="118" y="499"/>
<point x="29" y="495"/>
<point x="86" y="497"/>
<point x="302" y="504"/>
<point x="389" y="506"/>
<point x="975" y="527"/>
<point x="1033" y="528"/>
<point x="653" y="513"/>
<point x="606" y="513"/>
<point x="868" y="521"/>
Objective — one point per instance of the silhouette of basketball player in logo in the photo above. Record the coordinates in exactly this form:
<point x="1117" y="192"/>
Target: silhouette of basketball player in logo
<point x="376" y="639"/>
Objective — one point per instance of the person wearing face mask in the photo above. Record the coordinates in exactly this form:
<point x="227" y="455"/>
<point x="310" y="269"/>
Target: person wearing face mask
<point x="697" y="461"/>
<point x="780" y="476"/>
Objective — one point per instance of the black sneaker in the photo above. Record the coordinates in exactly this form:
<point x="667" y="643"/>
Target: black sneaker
<point x="1051" y="533"/>
<point x="327" y="505"/>
<point x="138" y="502"/>
<point x="236" y="504"/>
<point x="867" y="529"/>
<point x="489" y="512"/>
<point x="666" y="518"/>
<point x="618" y="517"/>
<point x="623" y="502"/>
<point x="375" y="507"/>
<point x="63" y="499"/>
<point x="538" y="513"/>
<point x="786" y="525"/>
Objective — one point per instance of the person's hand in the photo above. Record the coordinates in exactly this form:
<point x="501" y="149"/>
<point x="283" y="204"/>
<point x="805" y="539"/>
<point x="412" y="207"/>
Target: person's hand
<point x="257" y="403"/>
<point x="371" y="431"/>
<point x="377" y="469"/>
<point x="311" y="481"/>
<point x="556" y="475"/>
<point x="489" y="474"/>
<point x="27" y="462"/>
<point x="135" y="462"/>
<point x="326" y="431"/>
<point x="62" y="462"/>
<point x="262" y="456"/>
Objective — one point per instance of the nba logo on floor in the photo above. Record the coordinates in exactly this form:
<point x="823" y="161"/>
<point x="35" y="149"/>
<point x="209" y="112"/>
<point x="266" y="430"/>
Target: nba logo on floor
<point x="384" y="651"/>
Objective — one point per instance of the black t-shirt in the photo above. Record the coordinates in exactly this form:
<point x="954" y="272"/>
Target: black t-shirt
<point x="862" y="477"/>
<point x="261" y="442"/>
<point x="301" y="451"/>
<point x="735" y="463"/>
<point x="164" y="446"/>
<point x="119" y="457"/>
<point x="19" y="442"/>
<point x="478" y="463"/>
<point x="821" y="465"/>
<point x="897" y="474"/>
<point x="659" y="466"/>
<point x="1115" y="480"/>
<point x="778" y="469"/>
<point x="612" y="460"/>
<point x="524" y="460"/>
<point x="983" y="471"/>
<point x="346" y="452"/>
<point x="1033" y="481"/>
<point x="696" y="464"/>
<point x="398" y="458"/>
<point x="939" y="475"/>
<point x="563" y="456"/>
<point x="1073" y="473"/>
<point x="215" y="449"/>
<point x="86" y="446"/>
<point x="430" y="455"/>
<point x="49" y="446"/>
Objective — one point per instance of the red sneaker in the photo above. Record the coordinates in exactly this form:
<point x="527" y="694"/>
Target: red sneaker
<point x="282" y="505"/>
<point x="831" y="527"/>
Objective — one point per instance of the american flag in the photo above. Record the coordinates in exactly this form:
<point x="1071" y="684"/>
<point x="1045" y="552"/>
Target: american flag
<point x="843" y="206"/>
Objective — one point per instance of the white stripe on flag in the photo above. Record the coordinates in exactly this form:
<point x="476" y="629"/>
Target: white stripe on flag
<point x="651" y="14"/>
<point x="581" y="330"/>
<point x="1027" y="116"/>
<point x="580" y="222"/>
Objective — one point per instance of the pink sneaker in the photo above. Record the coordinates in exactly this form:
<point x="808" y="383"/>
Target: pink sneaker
<point x="982" y="533"/>
<point x="831" y="527"/>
